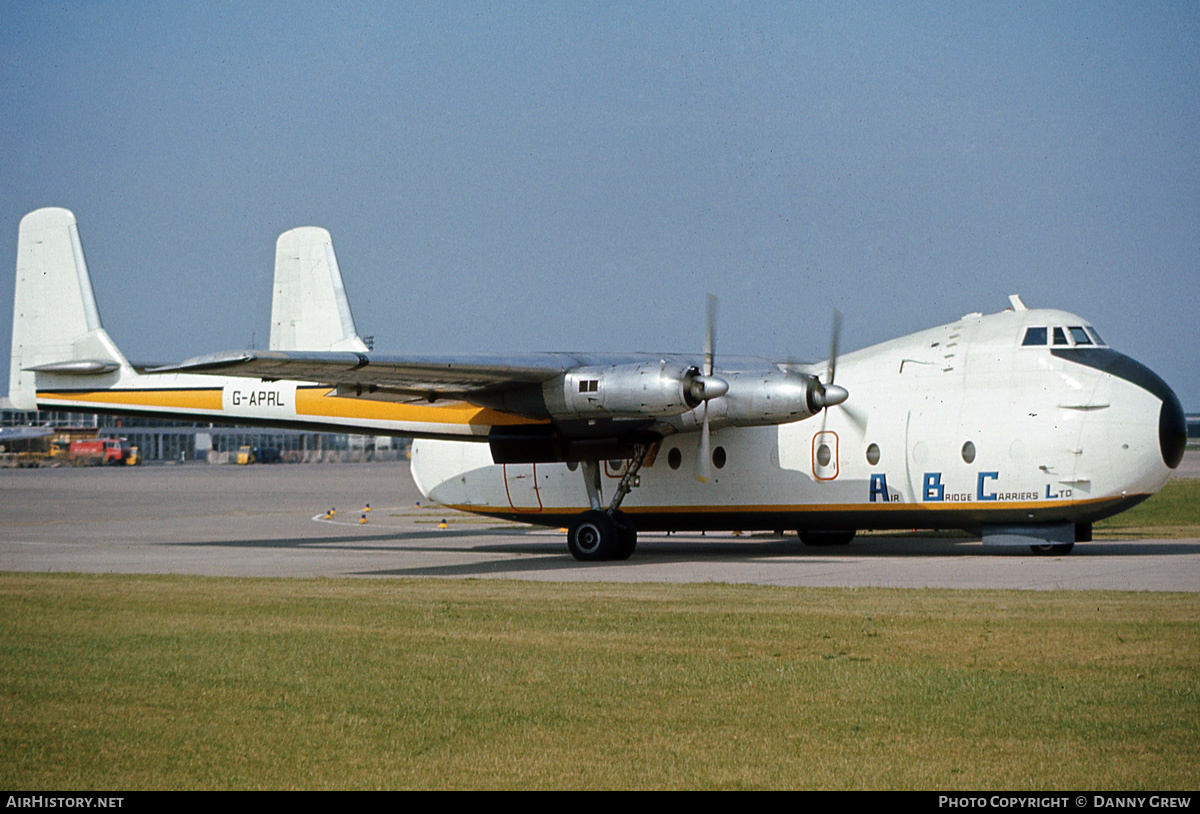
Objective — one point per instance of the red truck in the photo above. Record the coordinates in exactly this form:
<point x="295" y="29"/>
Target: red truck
<point x="97" y="451"/>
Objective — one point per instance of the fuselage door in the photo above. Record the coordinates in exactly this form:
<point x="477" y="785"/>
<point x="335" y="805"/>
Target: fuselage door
<point x="520" y="482"/>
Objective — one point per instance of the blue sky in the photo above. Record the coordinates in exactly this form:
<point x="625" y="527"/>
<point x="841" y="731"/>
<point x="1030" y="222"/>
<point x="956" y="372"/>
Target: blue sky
<point x="576" y="176"/>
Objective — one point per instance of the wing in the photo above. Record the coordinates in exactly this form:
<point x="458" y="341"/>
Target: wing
<point x="392" y="378"/>
<point x="649" y="390"/>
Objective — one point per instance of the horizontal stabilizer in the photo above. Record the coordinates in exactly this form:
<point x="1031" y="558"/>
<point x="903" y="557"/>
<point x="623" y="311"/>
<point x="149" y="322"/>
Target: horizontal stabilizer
<point x="85" y="367"/>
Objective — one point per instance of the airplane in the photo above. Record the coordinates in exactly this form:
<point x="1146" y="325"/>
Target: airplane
<point x="1022" y="426"/>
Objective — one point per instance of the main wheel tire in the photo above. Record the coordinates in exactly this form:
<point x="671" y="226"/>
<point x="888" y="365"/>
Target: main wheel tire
<point x="593" y="537"/>
<point x="626" y="536"/>
<point x="1052" y="548"/>
<point x="826" y="538"/>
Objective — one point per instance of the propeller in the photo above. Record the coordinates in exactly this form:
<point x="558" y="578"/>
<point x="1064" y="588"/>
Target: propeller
<point x="829" y="394"/>
<point x="710" y="387"/>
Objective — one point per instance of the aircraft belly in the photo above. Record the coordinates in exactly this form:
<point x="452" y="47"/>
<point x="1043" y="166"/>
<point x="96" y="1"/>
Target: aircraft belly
<point x="861" y="518"/>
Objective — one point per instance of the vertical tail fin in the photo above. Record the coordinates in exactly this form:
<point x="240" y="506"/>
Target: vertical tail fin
<point x="310" y="310"/>
<point x="56" y="325"/>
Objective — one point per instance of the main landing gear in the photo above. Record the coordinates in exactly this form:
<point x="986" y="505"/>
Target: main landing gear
<point x="606" y="534"/>
<point x="598" y="535"/>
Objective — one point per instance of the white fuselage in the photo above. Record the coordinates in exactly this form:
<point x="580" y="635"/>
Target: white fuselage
<point x="957" y="426"/>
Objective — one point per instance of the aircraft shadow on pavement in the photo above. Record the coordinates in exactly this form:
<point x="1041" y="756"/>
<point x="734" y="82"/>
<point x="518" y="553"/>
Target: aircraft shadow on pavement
<point x="681" y="549"/>
<point x="351" y="543"/>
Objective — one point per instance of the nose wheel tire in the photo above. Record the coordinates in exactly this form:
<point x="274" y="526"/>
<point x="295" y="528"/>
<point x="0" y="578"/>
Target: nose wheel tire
<point x="1060" y="548"/>
<point x="826" y="538"/>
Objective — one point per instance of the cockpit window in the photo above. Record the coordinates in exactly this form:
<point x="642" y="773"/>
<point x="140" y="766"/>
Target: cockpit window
<point x="1063" y="336"/>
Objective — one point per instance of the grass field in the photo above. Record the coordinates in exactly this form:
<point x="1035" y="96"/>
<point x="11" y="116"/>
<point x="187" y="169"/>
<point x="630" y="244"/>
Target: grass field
<point x="1172" y="513"/>
<point x="118" y="682"/>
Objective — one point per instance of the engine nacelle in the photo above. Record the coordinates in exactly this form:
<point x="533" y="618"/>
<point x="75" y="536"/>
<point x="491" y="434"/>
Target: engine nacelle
<point x="601" y="412"/>
<point x="669" y="393"/>
<point x="639" y="390"/>
<point x="759" y="398"/>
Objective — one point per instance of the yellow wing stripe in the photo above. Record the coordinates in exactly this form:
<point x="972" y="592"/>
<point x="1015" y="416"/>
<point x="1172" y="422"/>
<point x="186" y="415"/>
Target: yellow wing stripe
<point x="320" y="402"/>
<point x="167" y="399"/>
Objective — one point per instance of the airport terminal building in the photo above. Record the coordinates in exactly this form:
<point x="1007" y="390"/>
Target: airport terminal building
<point x="180" y="441"/>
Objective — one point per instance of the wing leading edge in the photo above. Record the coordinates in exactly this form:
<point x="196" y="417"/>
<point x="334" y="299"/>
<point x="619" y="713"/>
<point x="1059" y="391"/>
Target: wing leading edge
<point x="406" y="378"/>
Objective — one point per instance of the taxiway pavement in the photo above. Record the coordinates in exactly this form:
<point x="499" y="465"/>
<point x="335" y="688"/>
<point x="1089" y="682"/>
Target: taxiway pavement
<point x="259" y="521"/>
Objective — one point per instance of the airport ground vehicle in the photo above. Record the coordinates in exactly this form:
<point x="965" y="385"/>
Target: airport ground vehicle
<point x="102" y="451"/>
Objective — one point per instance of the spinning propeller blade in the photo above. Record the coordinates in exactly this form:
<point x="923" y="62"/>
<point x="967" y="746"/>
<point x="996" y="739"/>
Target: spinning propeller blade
<point x="711" y="386"/>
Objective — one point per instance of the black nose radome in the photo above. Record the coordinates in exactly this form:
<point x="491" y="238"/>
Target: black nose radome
<point x="1172" y="430"/>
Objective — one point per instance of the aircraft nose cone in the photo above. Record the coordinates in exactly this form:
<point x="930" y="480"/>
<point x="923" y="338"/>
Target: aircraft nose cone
<point x="1172" y="426"/>
<point x="1172" y="429"/>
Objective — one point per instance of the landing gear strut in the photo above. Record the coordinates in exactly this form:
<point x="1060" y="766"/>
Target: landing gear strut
<point x="606" y="534"/>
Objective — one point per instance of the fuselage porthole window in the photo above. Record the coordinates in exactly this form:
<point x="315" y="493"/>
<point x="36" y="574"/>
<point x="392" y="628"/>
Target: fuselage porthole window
<point x="873" y="454"/>
<point x="1060" y="337"/>
<point x="1080" y="335"/>
<point x="1035" y="336"/>
<point x="968" y="452"/>
<point x="674" y="458"/>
